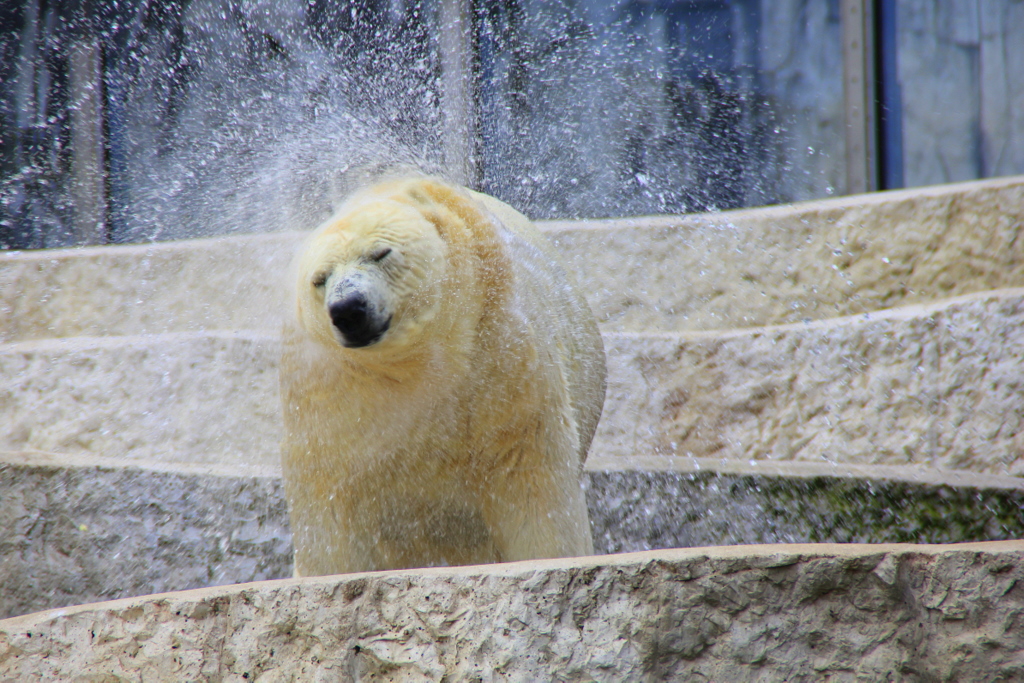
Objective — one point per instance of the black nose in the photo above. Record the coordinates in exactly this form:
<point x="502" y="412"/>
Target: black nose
<point x="358" y="323"/>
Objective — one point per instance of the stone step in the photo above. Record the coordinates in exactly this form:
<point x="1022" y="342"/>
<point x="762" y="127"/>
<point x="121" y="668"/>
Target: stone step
<point x="188" y="398"/>
<point x="651" y="502"/>
<point x="755" y="613"/>
<point x="734" y="269"/>
<point x="76" y="530"/>
<point x="936" y="385"/>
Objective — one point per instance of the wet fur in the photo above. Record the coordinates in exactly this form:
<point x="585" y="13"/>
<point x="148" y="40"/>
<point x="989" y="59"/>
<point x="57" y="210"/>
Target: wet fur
<point x="459" y="437"/>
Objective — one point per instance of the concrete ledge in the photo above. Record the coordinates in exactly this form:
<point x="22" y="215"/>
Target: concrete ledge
<point x="937" y="386"/>
<point x="75" y="530"/>
<point x="224" y="283"/>
<point x="640" y="505"/>
<point x="177" y="398"/>
<point x="796" y="613"/>
<point x="809" y="261"/>
<point x="733" y="269"/>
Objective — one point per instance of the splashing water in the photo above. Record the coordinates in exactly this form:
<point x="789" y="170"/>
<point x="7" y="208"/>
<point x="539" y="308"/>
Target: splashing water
<point x="225" y="116"/>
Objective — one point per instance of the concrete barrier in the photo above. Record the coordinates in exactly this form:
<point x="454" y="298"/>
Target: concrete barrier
<point x="741" y="613"/>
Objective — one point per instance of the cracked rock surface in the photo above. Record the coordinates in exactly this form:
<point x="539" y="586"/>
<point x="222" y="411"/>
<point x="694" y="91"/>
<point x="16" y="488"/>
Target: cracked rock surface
<point x="74" y="531"/>
<point x="935" y="385"/>
<point x="755" y="613"/>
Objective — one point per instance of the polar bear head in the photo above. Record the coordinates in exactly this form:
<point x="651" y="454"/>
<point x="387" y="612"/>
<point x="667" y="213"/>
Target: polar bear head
<point x="373" y="275"/>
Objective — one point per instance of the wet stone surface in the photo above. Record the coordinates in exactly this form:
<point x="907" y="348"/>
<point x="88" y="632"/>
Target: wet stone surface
<point x="795" y="613"/>
<point x="927" y="385"/>
<point x="636" y="510"/>
<point x="72" y="535"/>
<point x="930" y="385"/>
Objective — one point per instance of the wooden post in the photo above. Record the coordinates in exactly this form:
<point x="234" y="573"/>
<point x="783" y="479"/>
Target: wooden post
<point x="458" y="91"/>
<point x="859" y="96"/>
<point x="88" y="172"/>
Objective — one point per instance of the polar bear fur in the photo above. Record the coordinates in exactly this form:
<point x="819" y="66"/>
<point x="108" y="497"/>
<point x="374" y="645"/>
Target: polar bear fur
<point x="441" y="382"/>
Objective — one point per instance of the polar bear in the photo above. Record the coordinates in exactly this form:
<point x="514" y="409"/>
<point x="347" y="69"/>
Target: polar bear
<point x="441" y="382"/>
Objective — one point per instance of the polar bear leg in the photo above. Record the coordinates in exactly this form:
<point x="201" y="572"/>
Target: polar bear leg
<point x="540" y="515"/>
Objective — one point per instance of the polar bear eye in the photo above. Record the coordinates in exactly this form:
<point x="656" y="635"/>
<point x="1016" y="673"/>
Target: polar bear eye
<point x="380" y="254"/>
<point x="319" y="280"/>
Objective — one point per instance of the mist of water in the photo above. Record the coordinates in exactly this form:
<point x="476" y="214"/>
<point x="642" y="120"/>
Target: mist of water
<point x="225" y="116"/>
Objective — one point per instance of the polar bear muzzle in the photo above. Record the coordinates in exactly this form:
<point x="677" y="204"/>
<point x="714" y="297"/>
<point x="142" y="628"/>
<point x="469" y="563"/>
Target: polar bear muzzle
<point x="358" y="321"/>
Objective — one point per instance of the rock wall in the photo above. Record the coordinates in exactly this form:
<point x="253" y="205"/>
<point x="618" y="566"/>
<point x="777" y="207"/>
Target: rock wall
<point x="930" y="385"/>
<point x="898" y="347"/>
<point x="793" y="613"/>
<point x="75" y="530"/>
<point x="83" y="531"/>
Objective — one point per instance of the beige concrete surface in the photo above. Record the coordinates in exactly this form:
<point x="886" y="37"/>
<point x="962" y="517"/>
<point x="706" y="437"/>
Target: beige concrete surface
<point x="931" y="385"/>
<point x="751" y="613"/>
<point x="936" y="385"/>
<point x="808" y="261"/>
<point x="176" y="398"/>
<point x="223" y="283"/>
<point x="774" y="265"/>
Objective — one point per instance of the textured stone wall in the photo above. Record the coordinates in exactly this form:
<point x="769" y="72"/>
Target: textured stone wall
<point x="74" y="530"/>
<point x="931" y="385"/>
<point x="926" y="385"/>
<point x="228" y="283"/>
<point x="175" y="397"/>
<point x="80" y="531"/>
<point x="799" y="263"/>
<point x="725" y="270"/>
<point x="935" y="385"/>
<point x="653" y="503"/>
<point x="794" y="613"/>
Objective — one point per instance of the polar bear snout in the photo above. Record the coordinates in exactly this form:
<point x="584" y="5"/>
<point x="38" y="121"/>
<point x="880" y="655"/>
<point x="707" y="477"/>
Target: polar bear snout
<point x="359" y="322"/>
